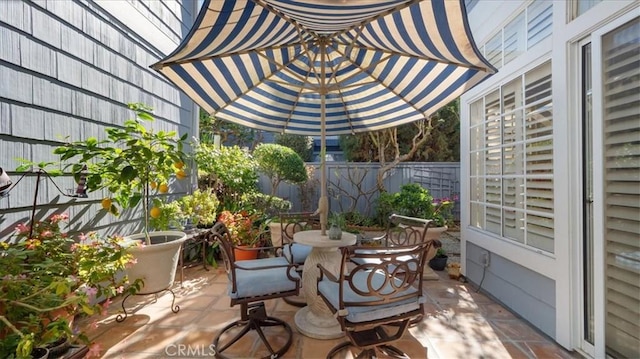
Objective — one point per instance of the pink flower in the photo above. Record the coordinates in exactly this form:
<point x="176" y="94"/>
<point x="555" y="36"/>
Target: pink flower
<point x="105" y="306"/>
<point x="22" y="228"/>
<point x="55" y="218"/>
<point x="120" y="289"/>
<point x="82" y="237"/>
<point x="46" y="234"/>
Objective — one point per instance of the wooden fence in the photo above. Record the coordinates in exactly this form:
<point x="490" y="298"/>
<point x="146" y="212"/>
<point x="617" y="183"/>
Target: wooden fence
<point x="352" y="186"/>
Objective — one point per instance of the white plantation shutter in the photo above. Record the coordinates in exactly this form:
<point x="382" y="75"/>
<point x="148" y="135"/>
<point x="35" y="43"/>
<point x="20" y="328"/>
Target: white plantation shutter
<point x="539" y="158"/>
<point x="621" y="89"/>
<point x="511" y="158"/>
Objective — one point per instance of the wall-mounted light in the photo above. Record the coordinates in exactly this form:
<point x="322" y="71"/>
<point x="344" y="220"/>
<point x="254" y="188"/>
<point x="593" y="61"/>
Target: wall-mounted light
<point x="5" y="183"/>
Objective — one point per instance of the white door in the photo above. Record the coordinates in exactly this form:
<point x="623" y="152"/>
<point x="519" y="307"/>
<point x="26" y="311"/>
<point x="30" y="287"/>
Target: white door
<point x="610" y="101"/>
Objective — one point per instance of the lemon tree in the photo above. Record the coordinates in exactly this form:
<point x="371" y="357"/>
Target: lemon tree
<point x="128" y="161"/>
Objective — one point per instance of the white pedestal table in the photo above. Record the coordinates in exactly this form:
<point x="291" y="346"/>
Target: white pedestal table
<point x="316" y="320"/>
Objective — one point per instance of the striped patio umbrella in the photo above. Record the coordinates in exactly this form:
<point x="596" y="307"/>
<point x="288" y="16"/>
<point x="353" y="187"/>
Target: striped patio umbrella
<point x="326" y="67"/>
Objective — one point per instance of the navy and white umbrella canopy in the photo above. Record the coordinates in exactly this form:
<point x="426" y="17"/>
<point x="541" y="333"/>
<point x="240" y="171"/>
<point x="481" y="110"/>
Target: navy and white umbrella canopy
<point x="326" y="67"/>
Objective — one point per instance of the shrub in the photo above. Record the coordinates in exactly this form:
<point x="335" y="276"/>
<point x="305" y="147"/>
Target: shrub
<point x="280" y="163"/>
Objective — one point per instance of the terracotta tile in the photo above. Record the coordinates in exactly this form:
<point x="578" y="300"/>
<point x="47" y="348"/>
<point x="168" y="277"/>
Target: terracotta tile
<point x="151" y="340"/>
<point x="113" y="336"/>
<point x="216" y="319"/>
<point x="313" y="348"/>
<point x="458" y="323"/>
<point x="515" y="350"/>
<point x="181" y="319"/>
<point x="496" y="311"/>
<point x="547" y="350"/>
<point x="195" y="302"/>
<point x="516" y="330"/>
<point x="470" y="349"/>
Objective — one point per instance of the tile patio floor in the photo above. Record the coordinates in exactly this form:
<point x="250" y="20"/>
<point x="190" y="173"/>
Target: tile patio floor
<point x="459" y="323"/>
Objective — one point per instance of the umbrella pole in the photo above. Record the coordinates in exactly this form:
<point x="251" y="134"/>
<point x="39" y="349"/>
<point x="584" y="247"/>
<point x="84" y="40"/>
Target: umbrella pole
<point x="323" y="205"/>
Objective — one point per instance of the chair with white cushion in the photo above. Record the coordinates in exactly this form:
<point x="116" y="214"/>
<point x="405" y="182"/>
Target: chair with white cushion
<point x="251" y="282"/>
<point x="375" y="301"/>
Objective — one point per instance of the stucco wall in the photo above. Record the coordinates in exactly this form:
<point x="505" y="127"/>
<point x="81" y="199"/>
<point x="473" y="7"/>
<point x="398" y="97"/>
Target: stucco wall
<point x="67" y="70"/>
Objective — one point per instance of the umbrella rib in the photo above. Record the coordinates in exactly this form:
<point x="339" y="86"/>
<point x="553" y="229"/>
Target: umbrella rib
<point x="441" y="61"/>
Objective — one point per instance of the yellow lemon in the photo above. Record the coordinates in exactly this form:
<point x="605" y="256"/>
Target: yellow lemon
<point x="179" y="165"/>
<point x="163" y="188"/>
<point x="153" y="185"/>
<point x="155" y="212"/>
<point x="106" y="203"/>
<point x="181" y="175"/>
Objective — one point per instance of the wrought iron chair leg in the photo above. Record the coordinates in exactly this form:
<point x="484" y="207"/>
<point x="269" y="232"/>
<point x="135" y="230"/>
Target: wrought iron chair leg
<point x="393" y="352"/>
<point x="257" y="325"/>
<point x="238" y="323"/>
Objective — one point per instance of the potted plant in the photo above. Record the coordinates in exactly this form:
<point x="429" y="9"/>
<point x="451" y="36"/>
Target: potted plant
<point x="337" y="223"/>
<point x="130" y="163"/>
<point x="48" y="277"/>
<point x="439" y="261"/>
<point x="200" y="208"/>
<point x="244" y="233"/>
<point x="413" y="200"/>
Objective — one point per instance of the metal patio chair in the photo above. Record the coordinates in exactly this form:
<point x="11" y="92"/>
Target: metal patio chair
<point x="377" y="300"/>
<point x="251" y="282"/>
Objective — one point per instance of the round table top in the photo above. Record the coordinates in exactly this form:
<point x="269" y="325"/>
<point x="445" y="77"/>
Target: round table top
<point x="315" y="239"/>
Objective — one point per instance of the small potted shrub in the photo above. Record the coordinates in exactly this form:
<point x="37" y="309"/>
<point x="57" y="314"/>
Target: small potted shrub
<point x="244" y="233"/>
<point x="439" y="261"/>
<point x="200" y="208"/>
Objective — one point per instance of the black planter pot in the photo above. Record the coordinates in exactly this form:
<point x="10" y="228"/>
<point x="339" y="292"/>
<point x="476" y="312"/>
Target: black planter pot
<point x="438" y="263"/>
<point x="40" y="353"/>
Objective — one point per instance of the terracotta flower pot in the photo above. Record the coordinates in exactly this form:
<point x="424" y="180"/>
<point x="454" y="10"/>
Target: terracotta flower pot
<point x="243" y="255"/>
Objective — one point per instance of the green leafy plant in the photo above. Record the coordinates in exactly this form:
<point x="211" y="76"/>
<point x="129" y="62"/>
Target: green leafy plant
<point x="280" y="163"/>
<point x="166" y="215"/>
<point x="413" y="200"/>
<point x="130" y="162"/>
<point x="200" y="207"/>
<point x="337" y="219"/>
<point x="229" y="171"/>
<point x="441" y="253"/>
<point x="46" y="278"/>
<point x="267" y="205"/>
<point x="242" y="227"/>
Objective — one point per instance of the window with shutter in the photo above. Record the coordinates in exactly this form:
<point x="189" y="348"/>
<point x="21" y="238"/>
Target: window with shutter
<point x="532" y="25"/>
<point x="539" y="21"/>
<point x="512" y="160"/>
<point x="621" y="115"/>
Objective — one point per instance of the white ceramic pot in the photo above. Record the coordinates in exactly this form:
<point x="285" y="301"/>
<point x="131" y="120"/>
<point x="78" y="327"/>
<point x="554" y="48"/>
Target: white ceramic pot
<point x="156" y="263"/>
